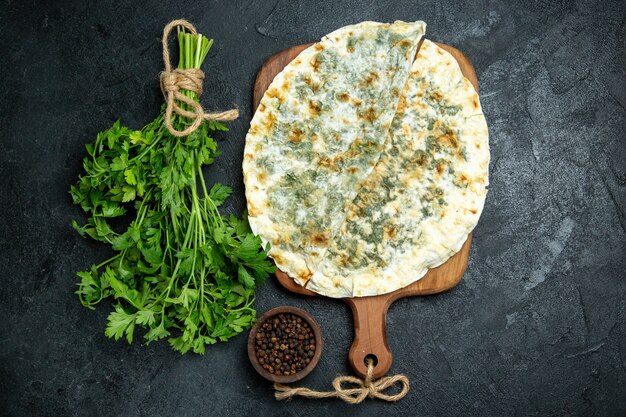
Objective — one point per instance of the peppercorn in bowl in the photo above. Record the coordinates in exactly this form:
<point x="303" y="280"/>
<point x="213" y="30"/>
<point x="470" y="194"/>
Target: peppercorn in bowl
<point x="285" y="344"/>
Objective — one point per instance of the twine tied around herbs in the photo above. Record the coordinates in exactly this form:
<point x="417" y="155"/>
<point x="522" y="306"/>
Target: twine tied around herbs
<point x="185" y="79"/>
<point x="363" y="388"/>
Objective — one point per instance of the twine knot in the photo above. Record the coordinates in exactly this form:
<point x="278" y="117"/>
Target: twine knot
<point x="173" y="81"/>
<point x="179" y="79"/>
<point x="361" y="388"/>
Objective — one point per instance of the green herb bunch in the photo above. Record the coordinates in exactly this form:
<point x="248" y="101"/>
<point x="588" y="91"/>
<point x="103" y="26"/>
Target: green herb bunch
<point x="181" y="270"/>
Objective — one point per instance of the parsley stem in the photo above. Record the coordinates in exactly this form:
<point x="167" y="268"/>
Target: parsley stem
<point x="111" y="259"/>
<point x="215" y="215"/>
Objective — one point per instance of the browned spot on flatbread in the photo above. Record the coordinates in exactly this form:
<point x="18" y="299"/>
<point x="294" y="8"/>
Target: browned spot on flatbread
<point x="318" y="47"/>
<point x="412" y="174"/>
<point x="357" y="102"/>
<point x="320" y="239"/>
<point x="254" y="129"/>
<point x="314" y="107"/>
<point x="353" y="170"/>
<point x="305" y="276"/>
<point x="295" y="136"/>
<point x="390" y="232"/>
<point x="440" y="167"/>
<point x="343" y="97"/>
<point x="269" y="121"/>
<point x="475" y="103"/>
<point x="401" y="105"/>
<point x="369" y="115"/>
<point x="368" y="198"/>
<point x="436" y="95"/>
<point x="253" y="211"/>
<point x="355" y="149"/>
<point x="312" y="85"/>
<point x="315" y="63"/>
<point x="449" y="139"/>
<point x="370" y="79"/>
<point x="275" y="93"/>
<point x="328" y="163"/>
<point x="419" y="158"/>
<point x="278" y="259"/>
<point x="325" y="161"/>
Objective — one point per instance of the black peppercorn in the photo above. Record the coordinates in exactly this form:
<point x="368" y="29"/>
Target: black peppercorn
<point x="285" y="344"/>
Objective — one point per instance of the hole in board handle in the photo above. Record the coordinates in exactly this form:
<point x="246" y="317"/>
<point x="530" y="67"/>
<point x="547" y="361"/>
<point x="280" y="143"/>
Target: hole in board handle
<point x="371" y="357"/>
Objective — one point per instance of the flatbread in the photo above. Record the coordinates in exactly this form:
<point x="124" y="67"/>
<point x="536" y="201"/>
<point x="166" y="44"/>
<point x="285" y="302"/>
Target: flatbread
<point x="318" y="133"/>
<point x="425" y="194"/>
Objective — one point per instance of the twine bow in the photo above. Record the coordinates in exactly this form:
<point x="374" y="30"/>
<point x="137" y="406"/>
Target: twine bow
<point x="185" y="79"/>
<point x="362" y="389"/>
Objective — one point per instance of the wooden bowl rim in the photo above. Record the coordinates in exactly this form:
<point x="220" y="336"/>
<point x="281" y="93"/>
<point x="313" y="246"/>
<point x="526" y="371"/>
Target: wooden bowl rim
<point x="319" y="344"/>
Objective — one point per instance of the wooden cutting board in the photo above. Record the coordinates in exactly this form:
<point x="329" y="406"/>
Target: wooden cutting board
<point x="370" y="313"/>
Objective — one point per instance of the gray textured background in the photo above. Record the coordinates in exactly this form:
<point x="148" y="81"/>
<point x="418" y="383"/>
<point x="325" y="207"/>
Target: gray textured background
<point x="537" y="325"/>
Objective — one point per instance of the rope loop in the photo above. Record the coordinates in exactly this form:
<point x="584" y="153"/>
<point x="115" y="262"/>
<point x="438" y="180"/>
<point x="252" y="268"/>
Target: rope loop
<point x="173" y="81"/>
<point x="357" y="390"/>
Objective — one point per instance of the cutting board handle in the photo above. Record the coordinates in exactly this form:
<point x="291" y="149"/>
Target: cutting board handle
<point x="370" y="335"/>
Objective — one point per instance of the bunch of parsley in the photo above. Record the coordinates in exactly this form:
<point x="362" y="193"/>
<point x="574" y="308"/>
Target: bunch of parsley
<point x="181" y="270"/>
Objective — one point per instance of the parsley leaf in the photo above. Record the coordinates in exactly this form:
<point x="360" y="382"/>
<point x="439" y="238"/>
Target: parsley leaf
<point x="219" y="193"/>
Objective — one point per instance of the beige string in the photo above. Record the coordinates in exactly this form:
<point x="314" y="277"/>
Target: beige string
<point x="363" y="388"/>
<point x="185" y="79"/>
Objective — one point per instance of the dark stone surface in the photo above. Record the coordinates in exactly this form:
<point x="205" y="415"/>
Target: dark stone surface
<point x="536" y="327"/>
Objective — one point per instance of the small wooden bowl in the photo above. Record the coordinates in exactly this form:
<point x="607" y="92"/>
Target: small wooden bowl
<point x="317" y="332"/>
